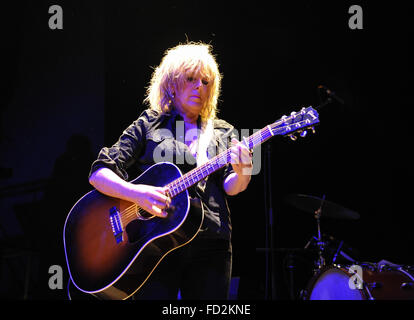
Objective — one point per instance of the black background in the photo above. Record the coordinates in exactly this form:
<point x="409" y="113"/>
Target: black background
<point x="89" y="80"/>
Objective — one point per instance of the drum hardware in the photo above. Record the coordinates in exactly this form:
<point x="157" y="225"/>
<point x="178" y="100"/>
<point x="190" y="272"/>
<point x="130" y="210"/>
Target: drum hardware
<point x="320" y="244"/>
<point x="337" y="251"/>
<point x="407" y="285"/>
<point x="342" y="250"/>
<point x="322" y="208"/>
<point x="294" y="270"/>
<point x="378" y="281"/>
<point x="311" y="204"/>
<point x="353" y="280"/>
<point x="374" y="285"/>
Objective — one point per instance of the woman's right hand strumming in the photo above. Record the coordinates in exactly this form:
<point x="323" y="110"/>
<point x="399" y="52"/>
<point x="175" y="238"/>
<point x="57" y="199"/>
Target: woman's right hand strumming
<point x="152" y="199"/>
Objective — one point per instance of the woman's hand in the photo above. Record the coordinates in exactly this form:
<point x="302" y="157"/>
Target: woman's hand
<point x="241" y="158"/>
<point x="152" y="199"/>
<point x="241" y="161"/>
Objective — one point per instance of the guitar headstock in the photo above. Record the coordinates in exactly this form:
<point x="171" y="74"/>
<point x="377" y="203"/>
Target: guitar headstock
<point x="298" y="123"/>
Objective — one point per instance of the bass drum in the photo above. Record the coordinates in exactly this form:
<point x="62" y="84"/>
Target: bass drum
<point x="364" y="281"/>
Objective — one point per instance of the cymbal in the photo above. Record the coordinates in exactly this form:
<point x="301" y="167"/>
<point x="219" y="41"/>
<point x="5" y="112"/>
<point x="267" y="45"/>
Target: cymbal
<point x="330" y="209"/>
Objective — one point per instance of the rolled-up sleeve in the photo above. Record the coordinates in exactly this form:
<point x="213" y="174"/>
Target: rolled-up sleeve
<point x="123" y="154"/>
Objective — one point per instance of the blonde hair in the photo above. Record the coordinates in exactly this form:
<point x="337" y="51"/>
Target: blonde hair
<point x="171" y="73"/>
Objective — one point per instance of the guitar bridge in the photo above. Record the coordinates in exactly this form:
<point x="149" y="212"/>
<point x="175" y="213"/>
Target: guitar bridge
<point x="116" y="224"/>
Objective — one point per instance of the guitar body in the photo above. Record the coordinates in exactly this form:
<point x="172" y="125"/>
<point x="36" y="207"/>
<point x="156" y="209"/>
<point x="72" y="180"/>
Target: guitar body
<point x="111" y="250"/>
<point x="113" y="265"/>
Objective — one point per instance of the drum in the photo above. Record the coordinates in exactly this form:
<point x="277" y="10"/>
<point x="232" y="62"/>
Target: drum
<point x="365" y="281"/>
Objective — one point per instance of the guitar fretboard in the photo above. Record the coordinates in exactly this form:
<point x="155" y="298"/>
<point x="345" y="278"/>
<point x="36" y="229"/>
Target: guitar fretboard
<point x="197" y="174"/>
<point x="305" y="118"/>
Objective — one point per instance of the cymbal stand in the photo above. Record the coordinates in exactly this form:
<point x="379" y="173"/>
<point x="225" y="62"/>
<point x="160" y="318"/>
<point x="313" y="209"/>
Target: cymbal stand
<point x="321" y="245"/>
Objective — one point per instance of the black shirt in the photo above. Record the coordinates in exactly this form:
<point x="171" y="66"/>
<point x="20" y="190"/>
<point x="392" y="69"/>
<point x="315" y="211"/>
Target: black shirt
<point x="153" y="138"/>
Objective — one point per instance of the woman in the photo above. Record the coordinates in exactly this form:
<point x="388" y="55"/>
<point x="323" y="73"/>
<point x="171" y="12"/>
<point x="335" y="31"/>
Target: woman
<point x="181" y="126"/>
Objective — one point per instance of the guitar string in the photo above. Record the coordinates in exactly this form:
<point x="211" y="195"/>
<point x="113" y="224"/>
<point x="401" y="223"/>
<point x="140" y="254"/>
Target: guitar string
<point x="130" y="213"/>
<point x="260" y="136"/>
<point x="217" y="160"/>
<point x="214" y="164"/>
<point x="256" y="138"/>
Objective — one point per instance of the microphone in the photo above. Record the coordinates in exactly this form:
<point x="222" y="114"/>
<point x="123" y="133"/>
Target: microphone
<point x="331" y="94"/>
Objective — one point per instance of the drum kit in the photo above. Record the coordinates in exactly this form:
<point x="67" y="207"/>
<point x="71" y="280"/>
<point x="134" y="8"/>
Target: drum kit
<point x="336" y="274"/>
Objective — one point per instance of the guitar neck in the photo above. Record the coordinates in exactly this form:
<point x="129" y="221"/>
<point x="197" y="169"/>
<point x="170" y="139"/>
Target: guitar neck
<point x="216" y="163"/>
<point x="304" y="119"/>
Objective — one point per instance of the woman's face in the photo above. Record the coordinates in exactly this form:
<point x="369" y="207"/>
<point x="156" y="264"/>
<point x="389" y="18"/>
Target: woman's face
<point x="191" y="97"/>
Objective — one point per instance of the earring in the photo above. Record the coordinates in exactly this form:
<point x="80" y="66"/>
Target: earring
<point x="170" y="100"/>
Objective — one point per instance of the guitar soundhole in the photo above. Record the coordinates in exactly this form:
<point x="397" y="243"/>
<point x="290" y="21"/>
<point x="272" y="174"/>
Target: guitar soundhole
<point x="141" y="228"/>
<point x="144" y="215"/>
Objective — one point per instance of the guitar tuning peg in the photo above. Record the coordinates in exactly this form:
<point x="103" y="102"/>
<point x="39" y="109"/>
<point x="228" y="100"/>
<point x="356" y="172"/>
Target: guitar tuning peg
<point x="293" y="137"/>
<point x="303" y="133"/>
<point x="313" y="129"/>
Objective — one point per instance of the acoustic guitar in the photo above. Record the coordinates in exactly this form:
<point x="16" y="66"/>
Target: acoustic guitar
<point x="112" y="246"/>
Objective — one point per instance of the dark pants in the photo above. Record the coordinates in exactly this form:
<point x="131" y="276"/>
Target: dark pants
<point x="201" y="270"/>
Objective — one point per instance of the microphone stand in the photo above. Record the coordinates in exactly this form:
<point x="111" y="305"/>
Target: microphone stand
<point x="270" y="285"/>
